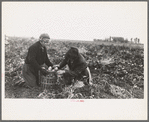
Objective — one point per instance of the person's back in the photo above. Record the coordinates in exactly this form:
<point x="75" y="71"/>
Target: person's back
<point x="77" y="65"/>
<point x="36" y="54"/>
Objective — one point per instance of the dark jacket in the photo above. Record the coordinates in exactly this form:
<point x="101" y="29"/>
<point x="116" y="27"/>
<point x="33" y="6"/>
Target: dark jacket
<point x="76" y="63"/>
<point x="37" y="56"/>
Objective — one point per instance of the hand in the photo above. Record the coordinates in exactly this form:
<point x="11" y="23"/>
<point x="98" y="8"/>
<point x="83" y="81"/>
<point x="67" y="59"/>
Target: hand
<point x="50" y="68"/>
<point x="44" y="72"/>
<point x="55" y="66"/>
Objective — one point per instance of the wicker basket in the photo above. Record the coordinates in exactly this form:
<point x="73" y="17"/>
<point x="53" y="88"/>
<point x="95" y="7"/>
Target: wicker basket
<point x="49" y="80"/>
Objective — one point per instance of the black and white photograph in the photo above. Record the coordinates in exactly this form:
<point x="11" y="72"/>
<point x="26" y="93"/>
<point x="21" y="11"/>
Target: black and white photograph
<point x="74" y="60"/>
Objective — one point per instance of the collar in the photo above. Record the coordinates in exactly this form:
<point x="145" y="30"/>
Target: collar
<point x="41" y="46"/>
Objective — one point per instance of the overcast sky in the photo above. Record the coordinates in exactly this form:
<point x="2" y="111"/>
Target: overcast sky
<point x="75" y="20"/>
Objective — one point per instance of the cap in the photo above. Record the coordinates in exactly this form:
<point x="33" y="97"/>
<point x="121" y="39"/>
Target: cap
<point x="44" y="35"/>
<point x="72" y="52"/>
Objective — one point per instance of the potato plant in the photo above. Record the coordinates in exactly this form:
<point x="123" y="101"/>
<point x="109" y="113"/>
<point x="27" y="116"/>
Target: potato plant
<point x="117" y="70"/>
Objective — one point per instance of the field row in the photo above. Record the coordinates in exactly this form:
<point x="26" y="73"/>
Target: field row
<point x="114" y="67"/>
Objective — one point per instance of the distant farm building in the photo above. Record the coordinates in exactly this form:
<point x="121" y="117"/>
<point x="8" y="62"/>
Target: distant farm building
<point x="97" y="40"/>
<point x="117" y="39"/>
<point x="113" y="39"/>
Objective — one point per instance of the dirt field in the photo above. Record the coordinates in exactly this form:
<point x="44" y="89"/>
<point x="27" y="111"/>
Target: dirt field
<point x="117" y="70"/>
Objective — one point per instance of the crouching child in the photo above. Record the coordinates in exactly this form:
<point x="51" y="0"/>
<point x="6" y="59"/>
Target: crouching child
<point x="77" y="67"/>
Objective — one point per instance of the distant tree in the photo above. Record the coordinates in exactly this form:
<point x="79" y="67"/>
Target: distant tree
<point x="138" y="40"/>
<point x="109" y="39"/>
<point x="131" y="40"/>
<point x="135" y="40"/>
<point x="94" y="39"/>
